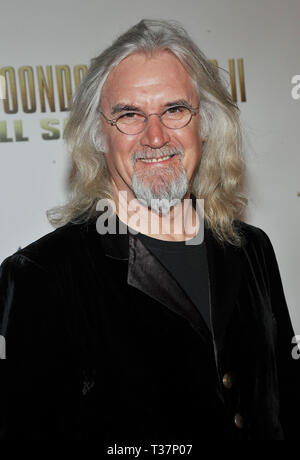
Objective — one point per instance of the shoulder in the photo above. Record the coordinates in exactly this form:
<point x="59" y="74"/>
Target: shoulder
<point x="54" y="249"/>
<point x="252" y="236"/>
<point x="257" y="250"/>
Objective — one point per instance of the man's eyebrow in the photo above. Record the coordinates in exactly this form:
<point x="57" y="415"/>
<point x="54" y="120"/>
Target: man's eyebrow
<point x="178" y="102"/>
<point x="123" y="107"/>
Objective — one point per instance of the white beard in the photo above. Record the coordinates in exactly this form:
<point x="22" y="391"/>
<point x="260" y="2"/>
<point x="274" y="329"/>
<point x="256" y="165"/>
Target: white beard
<point x="169" y="193"/>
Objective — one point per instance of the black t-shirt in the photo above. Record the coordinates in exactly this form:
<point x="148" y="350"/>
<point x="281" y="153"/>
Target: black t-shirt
<point x="188" y="265"/>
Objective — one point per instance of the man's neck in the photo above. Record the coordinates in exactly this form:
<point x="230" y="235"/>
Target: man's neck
<point x="179" y="224"/>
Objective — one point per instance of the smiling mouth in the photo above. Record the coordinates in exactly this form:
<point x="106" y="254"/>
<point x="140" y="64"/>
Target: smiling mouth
<point x="157" y="160"/>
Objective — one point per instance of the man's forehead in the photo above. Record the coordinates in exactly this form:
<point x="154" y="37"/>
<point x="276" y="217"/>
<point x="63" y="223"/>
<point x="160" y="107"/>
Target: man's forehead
<point x="140" y="80"/>
<point x="139" y="72"/>
<point x="163" y="60"/>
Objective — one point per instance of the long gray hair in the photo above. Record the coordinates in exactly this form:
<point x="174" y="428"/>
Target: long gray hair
<point x="219" y="178"/>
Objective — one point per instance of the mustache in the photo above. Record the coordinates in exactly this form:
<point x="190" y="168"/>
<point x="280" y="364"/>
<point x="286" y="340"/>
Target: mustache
<point x="157" y="153"/>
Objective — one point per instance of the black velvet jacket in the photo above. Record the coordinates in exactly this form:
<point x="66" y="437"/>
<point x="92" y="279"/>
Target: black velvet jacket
<point x="102" y="342"/>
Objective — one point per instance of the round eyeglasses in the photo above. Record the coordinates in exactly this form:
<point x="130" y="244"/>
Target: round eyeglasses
<point x="176" y="117"/>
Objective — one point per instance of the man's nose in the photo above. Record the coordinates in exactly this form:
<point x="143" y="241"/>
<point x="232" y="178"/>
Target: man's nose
<point x="155" y="134"/>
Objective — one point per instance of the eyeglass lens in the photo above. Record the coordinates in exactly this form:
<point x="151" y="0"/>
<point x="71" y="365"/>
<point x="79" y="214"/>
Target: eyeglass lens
<point x="174" y="118"/>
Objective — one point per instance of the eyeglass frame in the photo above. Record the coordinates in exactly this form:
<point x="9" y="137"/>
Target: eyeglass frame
<point x="113" y="121"/>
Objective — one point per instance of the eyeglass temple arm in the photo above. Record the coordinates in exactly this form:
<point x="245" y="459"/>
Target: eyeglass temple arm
<point x="111" y="122"/>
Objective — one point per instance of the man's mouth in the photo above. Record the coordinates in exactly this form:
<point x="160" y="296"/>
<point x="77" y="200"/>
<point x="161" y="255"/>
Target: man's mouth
<point x="157" y="160"/>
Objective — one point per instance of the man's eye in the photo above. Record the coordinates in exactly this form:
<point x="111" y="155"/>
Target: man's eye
<point x="130" y="118"/>
<point x="176" y="109"/>
<point x="129" y="115"/>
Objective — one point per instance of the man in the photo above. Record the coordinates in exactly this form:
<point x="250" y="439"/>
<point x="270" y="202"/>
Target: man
<point x="140" y="320"/>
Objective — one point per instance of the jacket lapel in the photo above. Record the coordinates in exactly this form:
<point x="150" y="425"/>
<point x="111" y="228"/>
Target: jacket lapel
<point x="146" y="273"/>
<point x="224" y="270"/>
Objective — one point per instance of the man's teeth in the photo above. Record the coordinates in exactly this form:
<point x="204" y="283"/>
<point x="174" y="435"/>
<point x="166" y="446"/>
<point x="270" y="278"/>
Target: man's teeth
<point x="154" y="160"/>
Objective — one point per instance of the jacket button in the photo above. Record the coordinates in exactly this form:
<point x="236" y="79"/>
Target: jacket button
<point x="239" y="421"/>
<point x="227" y="380"/>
